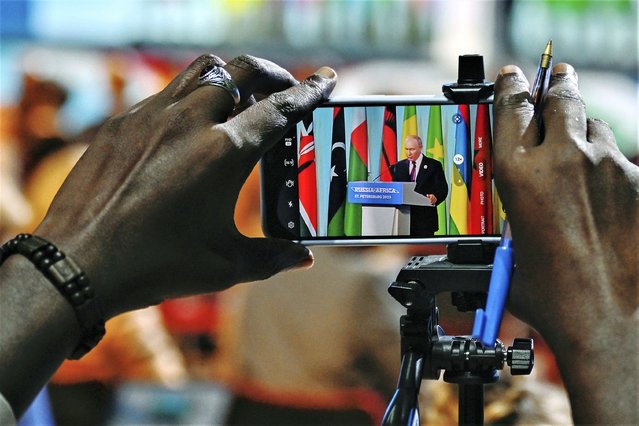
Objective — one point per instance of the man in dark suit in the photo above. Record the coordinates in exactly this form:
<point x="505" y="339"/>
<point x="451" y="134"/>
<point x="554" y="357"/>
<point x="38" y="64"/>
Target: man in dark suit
<point x="430" y="181"/>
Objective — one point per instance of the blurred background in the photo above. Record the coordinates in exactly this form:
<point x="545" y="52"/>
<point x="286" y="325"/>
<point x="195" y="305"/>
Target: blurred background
<point x="66" y="65"/>
<point x="378" y="46"/>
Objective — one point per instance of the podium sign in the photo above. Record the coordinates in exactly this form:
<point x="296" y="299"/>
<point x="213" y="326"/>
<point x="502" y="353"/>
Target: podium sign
<point x="385" y="205"/>
<point x="384" y="193"/>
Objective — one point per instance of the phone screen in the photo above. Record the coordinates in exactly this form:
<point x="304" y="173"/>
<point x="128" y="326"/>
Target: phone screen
<point x="378" y="170"/>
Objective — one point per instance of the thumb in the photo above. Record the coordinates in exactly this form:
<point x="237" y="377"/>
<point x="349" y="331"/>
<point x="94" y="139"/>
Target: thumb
<point x="266" y="257"/>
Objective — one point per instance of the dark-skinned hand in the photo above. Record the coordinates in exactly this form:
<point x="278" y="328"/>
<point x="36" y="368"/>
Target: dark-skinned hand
<point x="572" y="200"/>
<point x="148" y="210"/>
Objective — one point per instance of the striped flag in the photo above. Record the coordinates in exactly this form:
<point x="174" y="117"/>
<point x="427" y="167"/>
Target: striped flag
<point x="389" y="144"/>
<point x="357" y="170"/>
<point x="458" y="224"/>
<point x="409" y="128"/>
<point x="337" y="189"/>
<point x="435" y="150"/>
<point x="499" y="214"/>
<point x="481" y="220"/>
<point x="306" y="177"/>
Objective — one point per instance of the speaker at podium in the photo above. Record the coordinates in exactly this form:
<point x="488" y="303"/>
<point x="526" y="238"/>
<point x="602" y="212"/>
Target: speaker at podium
<point x="385" y="206"/>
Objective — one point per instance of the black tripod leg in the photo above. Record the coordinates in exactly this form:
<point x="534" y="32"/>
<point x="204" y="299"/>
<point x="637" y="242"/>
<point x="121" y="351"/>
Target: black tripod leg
<point x="471" y="404"/>
<point x="403" y="410"/>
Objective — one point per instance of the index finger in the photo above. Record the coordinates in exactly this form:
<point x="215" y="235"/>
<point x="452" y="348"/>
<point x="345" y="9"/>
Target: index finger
<point x="257" y="75"/>
<point x="264" y="123"/>
<point x="513" y="110"/>
<point x="564" y="109"/>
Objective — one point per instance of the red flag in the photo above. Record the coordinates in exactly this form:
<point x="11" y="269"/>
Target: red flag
<point x="481" y="183"/>
<point x="307" y="178"/>
<point x="389" y="144"/>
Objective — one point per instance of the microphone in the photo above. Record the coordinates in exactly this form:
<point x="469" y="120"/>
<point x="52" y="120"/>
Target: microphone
<point x="384" y="173"/>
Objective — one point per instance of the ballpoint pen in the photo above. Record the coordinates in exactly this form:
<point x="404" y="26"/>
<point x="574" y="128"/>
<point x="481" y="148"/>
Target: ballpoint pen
<point x="486" y="326"/>
<point x="540" y="86"/>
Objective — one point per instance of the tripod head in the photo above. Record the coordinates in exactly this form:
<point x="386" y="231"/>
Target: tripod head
<point x="426" y="350"/>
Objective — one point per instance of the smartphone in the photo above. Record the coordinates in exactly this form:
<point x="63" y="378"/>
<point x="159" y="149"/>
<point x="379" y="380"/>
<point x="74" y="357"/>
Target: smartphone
<point x="384" y="170"/>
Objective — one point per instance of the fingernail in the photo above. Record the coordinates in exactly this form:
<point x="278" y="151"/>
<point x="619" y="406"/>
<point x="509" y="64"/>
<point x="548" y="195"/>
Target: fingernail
<point x="306" y="263"/>
<point x="509" y="69"/>
<point x="326" y="72"/>
<point x="566" y="69"/>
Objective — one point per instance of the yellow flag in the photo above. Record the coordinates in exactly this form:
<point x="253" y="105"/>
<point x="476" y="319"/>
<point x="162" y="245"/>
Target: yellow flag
<point x="409" y="128"/>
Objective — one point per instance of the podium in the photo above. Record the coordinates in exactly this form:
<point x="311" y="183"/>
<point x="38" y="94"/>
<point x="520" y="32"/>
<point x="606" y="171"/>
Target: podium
<point x="385" y="206"/>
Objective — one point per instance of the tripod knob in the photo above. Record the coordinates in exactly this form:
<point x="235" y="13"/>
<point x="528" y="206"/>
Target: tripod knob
<point x="521" y="357"/>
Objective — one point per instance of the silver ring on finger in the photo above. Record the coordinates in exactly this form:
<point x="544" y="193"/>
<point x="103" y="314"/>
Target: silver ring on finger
<point x="219" y="77"/>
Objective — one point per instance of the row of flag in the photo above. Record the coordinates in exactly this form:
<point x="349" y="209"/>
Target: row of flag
<point x="469" y="207"/>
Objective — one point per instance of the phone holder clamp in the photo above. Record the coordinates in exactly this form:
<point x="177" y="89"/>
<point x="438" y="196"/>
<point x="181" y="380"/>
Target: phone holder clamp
<point x="470" y="88"/>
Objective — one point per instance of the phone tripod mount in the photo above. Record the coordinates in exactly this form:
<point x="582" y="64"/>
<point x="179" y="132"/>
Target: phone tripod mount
<point x="465" y="273"/>
<point x="426" y="350"/>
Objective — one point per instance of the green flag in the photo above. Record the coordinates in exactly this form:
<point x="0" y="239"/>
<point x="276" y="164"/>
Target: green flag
<point x="435" y="150"/>
<point x="409" y="128"/>
<point x="357" y="170"/>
